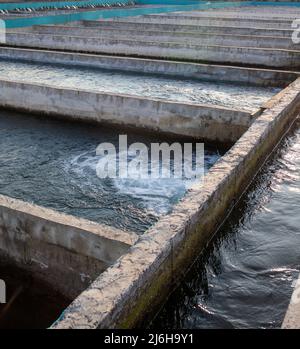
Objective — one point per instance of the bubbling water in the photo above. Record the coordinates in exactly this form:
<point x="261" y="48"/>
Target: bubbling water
<point x="53" y="163"/>
<point x="156" y="195"/>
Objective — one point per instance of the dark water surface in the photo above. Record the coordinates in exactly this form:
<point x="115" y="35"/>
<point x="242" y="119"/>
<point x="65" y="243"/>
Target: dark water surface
<point x="53" y="164"/>
<point x="244" y="279"/>
<point x="31" y="304"/>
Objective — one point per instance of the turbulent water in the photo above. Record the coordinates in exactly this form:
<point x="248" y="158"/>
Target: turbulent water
<point x="245" y="98"/>
<point x="53" y="164"/>
<point x="245" y="278"/>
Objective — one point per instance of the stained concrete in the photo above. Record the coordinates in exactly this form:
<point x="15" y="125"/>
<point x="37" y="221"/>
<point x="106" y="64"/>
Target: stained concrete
<point x="187" y="19"/>
<point x="194" y="29"/>
<point x="195" y="120"/>
<point x="258" y="41"/>
<point x="57" y="247"/>
<point x="267" y="57"/>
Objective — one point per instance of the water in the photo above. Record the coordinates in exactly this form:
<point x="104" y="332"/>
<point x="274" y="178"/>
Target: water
<point x="53" y="164"/>
<point x="238" y="97"/>
<point x="244" y="279"/>
<point x="31" y="304"/>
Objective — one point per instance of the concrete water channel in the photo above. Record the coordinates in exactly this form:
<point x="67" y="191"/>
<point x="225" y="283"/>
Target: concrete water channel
<point x="227" y="76"/>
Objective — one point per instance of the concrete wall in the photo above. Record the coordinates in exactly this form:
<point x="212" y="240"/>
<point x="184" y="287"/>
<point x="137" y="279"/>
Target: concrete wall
<point x="212" y="53"/>
<point x="190" y="38"/>
<point x="65" y="251"/>
<point x="207" y="72"/>
<point x="201" y="121"/>
<point x="215" y="29"/>
<point x="188" y="19"/>
<point x="139" y="281"/>
<point x="292" y="316"/>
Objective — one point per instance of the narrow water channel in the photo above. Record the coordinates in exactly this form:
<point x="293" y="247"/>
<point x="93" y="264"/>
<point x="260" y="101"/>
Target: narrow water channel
<point x="244" y="279"/>
<point x="240" y="97"/>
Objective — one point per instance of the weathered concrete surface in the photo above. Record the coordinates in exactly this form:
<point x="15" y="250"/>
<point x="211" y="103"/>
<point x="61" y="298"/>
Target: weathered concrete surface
<point x="292" y="317"/>
<point x="195" y="29"/>
<point x="188" y="19"/>
<point x="131" y="289"/>
<point x="169" y="50"/>
<point x="63" y="250"/>
<point x="207" y="72"/>
<point x="196" y="120"/>
<point x="156" y="36"/>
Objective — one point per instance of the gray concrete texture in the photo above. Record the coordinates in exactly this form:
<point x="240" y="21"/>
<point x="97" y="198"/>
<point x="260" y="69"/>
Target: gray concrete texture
<point x="63" y="250"/>
<point x="167" y="50"/>
<point x="207" y="72"/>
<point x="133" y="24"/>
<point x="292" y="316"/>
<point x="190" y="36"/>
<point x="169" y="36"/>
<point x="207" y="122"/>
<point x="188" y="19"/>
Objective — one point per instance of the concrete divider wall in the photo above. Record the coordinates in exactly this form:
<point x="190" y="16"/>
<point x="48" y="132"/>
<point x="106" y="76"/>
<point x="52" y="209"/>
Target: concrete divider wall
<point x="139" y="281"/>
<point x="215" y="29"/>
<point x="65" y="251"/>
<point x="201" y="121"/>
<point x="194" y="39"/>
<point x="206" y="72"/>
<point x="292" y="316"/>
<point x="188" y="20"/>
<point x="212" y="53"/>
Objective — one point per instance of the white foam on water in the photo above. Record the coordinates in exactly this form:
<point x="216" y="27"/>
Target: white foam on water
<point x="156" y="195"/>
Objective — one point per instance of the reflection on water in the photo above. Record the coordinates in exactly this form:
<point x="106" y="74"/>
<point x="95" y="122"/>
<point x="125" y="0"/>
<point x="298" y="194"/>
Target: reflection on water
<point x="53" y="164"/>
<point x="244" y="279"/>
<point x="191" y="91"/>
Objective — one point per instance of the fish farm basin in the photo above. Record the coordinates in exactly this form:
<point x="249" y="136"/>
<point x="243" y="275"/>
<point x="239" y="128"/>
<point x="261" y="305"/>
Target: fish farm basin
<point x="89" y="252"/>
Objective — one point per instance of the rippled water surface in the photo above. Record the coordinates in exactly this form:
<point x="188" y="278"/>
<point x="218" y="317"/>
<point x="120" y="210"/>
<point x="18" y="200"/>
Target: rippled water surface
<point x="53" y="164"/>
<point x="227" y="95"/>
<point x="244" y="279"/>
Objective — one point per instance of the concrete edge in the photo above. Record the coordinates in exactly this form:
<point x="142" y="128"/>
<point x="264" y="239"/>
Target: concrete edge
<point x="292" y="316"/>
<point x="174" y="44"/>
<point x="139" y="281"/>
<point x="99" y="33"/>
<point x="97" y="23"/>
<point x="183" y="119"/>
<point x="187" y="52"/>
<point x="101" y="231"/>
<point x="123" y="95"/>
